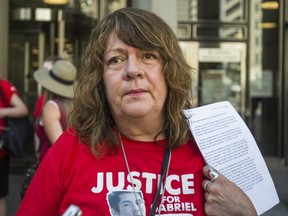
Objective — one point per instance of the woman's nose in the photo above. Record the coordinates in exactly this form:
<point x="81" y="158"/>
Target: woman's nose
<point x="134" y="68"/>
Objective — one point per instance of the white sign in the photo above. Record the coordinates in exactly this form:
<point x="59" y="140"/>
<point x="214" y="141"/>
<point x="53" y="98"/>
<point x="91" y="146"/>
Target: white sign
<point x="219" y="55"/>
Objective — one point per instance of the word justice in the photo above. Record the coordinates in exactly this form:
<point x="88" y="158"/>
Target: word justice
<point x="175" y="184"/>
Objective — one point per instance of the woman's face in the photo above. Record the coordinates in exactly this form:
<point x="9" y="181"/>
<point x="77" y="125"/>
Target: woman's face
<point x="134" y="80"/>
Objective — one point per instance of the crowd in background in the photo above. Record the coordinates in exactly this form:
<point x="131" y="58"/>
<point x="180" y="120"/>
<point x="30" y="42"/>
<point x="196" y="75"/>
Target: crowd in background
<point x="56" y="80"/>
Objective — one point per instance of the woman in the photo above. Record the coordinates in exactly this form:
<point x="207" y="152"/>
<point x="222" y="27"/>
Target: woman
<point x="59" y="84"/>
<point x="47" y="64"/>
<point x="11" y="105"/>
<point x="129" y="132"/>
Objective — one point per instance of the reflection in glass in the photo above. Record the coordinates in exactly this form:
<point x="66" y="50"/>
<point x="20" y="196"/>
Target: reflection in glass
<point x="218" y="10"/>
<point x="220" y="82"/>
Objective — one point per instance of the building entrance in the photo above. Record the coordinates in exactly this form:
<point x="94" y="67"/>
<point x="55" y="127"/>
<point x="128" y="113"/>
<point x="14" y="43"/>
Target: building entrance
<point x="220" y="73"/>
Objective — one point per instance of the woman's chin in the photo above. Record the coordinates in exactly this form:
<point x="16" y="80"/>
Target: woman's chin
<point x="136" y="112"/>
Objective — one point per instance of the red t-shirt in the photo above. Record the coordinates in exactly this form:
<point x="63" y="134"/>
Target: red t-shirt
<point x="6" y="92"/>
<point x="70" y="174"/>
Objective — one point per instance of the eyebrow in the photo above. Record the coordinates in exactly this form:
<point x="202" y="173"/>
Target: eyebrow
<point x="125" y="201"/>
<point x="115" y="50"/>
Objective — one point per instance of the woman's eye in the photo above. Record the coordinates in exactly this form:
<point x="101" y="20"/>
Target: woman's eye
<point x="113" y="60"/>
<point x="150" y="56"/>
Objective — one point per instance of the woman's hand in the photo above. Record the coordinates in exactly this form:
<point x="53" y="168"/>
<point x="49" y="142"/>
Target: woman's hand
<point x="223" y="197"/>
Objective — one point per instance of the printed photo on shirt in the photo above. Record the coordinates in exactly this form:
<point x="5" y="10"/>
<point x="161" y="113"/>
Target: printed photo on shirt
<point x="124" y="202"/>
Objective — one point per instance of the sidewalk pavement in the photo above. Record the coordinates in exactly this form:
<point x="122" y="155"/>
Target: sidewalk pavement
<point x="276" y="167"/>
<point x="279" y="174"/>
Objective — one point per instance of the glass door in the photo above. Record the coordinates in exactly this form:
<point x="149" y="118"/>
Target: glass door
<point x="222" y="75"/>
<point x="220" y="72"/>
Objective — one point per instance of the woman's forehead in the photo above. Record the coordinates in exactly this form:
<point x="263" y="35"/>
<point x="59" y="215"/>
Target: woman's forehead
<point x="113" y="42"/>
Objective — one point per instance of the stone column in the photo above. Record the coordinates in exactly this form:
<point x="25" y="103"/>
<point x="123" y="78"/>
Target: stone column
<point x="166" y="9"/>
<point x="4" y="19"/>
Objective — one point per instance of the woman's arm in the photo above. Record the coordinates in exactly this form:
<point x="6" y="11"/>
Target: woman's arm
<point x="51" y="122"/>
<point x="17" y="108"/>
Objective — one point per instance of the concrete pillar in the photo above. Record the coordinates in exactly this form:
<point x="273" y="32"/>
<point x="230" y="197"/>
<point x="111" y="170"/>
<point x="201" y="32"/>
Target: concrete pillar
<point x="4" y="11"/>
<point x="166" y="9"/>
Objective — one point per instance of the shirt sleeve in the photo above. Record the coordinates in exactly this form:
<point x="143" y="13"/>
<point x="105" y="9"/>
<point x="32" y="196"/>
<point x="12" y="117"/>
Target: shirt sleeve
<point x="51" y="181"/>
<point x="7" y="90"/>
<point x="44" y="194"/>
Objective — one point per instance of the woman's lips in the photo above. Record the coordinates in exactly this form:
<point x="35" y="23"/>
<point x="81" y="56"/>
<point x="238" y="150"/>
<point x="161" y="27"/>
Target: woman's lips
<point x="136" y="92"/>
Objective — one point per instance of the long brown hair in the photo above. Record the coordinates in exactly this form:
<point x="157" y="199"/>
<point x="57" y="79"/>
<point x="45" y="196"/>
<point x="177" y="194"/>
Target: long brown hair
<point x="91" y="116"/>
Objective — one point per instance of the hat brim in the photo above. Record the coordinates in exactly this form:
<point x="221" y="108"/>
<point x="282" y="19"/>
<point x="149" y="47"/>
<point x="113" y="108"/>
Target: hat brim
<point x="43" y="77"/>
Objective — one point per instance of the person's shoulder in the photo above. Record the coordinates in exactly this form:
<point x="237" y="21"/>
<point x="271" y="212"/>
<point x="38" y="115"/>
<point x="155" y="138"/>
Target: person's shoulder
<point x="68" y="136"/>
<point x="68" y="143"/>
<point x="189" y="145"/>
<point x="6" y="82"/>
<point x="51" y="103"/>
<point x="50" y="109"/>
<point x="68" y="151"/>
<point x="7" y="89"/>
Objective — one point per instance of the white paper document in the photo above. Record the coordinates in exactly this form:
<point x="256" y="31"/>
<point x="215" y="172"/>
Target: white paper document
<point x="227" y="144"/>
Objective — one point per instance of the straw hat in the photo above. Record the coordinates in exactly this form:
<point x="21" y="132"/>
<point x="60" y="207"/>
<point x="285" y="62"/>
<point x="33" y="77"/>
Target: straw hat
<point x="59" y="80"/>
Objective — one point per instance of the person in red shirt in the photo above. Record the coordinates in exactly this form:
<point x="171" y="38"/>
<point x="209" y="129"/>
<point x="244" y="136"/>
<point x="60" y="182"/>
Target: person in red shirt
<point x="128" y="132"/>
<point x="11" y="105"/>
<point x="47" y="65"/>
<point x="59" y="94"/>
